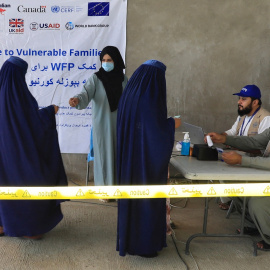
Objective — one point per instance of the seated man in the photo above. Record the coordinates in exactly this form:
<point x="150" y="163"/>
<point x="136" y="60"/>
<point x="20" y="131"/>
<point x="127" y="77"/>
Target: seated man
<point x="252" y="119"/>
<point x="258" y="207"/>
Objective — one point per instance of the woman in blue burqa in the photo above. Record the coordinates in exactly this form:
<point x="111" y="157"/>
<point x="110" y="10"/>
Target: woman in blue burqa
<point x="145" y="138"/>
<point x="29" y="155"/>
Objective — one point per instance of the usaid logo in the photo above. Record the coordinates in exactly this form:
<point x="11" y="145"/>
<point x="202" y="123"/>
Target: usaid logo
<point x="49" y="26"/>
<point x="34" y="26"/>
<point x="44" y="26"/>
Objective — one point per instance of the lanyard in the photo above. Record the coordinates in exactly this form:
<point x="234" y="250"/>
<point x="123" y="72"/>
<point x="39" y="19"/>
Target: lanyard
<point x="243" y="131"/>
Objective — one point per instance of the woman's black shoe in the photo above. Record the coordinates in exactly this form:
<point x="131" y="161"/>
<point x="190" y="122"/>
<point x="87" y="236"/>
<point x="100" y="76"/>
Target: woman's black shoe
<point x="153" y="255"/>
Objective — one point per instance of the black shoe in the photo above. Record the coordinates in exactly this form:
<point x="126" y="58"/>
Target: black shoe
<point x="153" y="255"/>
<point x="173" y="226"/>
<point x="249" y="231"/>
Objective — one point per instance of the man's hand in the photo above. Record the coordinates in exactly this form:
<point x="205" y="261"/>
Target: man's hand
<point x="217" y="138"/>
<point x="232" y="158"/>
<point x="73" y="102"/>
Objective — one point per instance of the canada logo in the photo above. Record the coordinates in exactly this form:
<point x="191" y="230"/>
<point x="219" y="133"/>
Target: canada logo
<point x="2" y="11"/>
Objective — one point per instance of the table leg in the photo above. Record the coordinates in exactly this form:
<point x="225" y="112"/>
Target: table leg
<point x="204" y="234"/>
<point x="206" y="205"/>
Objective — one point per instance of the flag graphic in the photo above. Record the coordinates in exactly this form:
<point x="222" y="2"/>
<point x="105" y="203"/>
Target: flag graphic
<point x="16" y="23"/>
<point x="98" y="8"/>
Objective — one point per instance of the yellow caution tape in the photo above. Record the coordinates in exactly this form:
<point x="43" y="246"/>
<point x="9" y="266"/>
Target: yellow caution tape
<point x="135" y="192"/>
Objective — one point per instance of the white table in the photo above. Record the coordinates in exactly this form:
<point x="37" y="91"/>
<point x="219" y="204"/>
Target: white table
<point x="194" y="169"/>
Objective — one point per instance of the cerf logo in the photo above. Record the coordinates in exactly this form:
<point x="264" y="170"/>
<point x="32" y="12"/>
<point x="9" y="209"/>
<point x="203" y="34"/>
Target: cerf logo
<point x="2" y="11"/>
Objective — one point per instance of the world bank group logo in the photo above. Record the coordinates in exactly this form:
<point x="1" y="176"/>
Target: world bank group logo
<point x="98" y="9"/>
<point x="69" y="26"/>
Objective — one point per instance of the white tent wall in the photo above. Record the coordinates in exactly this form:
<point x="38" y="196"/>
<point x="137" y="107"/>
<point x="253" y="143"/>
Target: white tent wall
<point x="211" y="49"/>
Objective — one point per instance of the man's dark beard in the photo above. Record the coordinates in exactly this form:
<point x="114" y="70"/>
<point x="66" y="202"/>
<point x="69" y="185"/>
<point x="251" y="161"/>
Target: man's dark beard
<point x="245" y="111"/>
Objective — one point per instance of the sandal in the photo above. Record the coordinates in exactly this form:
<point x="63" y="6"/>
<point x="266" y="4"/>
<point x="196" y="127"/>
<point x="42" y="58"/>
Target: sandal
<point x="104" y="200"/>
<point x="2" y="231"/>
<point x="107" y="200"/>
<point x="262" y="245"/>
<point x="35" y="237"/>
<point x="173" y="226"/>
<point x="224" y="206"/>
<point x="249" y="231"/>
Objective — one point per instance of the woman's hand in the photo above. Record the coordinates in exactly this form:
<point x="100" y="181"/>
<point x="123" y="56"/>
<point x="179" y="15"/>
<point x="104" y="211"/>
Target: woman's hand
<point x="177" y="122"/>
<point x="56" y="108"/>
<point x="73" y="102"/>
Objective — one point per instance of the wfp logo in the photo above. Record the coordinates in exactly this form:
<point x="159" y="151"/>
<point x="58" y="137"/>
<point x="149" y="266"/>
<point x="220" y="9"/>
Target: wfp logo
<point x="55" y="9"/>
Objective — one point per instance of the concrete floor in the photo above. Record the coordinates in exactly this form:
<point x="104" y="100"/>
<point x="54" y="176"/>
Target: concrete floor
<point x="86" y="239"/>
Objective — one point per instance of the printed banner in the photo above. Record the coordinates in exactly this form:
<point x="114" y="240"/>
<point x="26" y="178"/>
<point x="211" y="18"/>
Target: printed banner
<point x="61" y="41"/>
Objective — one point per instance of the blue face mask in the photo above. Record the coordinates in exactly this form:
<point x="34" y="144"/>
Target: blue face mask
<point x="107" y="66"/>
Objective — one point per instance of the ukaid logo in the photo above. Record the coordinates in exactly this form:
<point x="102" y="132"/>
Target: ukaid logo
<point x="98" y="8"/>
<point x="16" y="26"/>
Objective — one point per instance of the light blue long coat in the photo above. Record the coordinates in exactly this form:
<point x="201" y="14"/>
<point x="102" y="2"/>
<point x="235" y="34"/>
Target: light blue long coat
<point x="104" y="130"/>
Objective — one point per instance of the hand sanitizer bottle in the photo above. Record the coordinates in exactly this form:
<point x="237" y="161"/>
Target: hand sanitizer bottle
<point x="185" y="145"/>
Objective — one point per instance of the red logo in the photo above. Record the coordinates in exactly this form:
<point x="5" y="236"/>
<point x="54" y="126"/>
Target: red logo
<point x="2" y="10"/>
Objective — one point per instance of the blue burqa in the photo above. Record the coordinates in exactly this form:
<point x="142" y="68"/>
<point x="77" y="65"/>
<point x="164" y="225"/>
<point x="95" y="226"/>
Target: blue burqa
<point x="145" y="139"/>
<point x="29" y="154"/>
